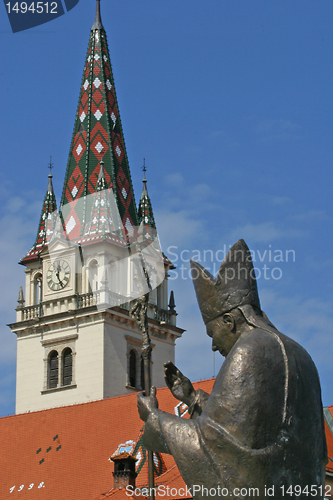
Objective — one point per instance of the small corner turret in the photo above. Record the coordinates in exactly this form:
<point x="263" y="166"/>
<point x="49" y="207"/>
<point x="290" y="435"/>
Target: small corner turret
<point x="46" y="223"/>
<point x="105" y="218"/>
<point x="145" y="209"/>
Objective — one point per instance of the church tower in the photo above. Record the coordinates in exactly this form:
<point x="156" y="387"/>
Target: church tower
<point x="75" y="339"/>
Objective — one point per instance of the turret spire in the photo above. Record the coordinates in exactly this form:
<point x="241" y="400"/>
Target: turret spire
<point x="101" y="183"/>
<point x="97" y="134"/>
<point x="172" y="303"/>
<point x="50" y="186"/>
<point x="98" y="21"/>
<point x="145" y="210"/>
<point x="46" y="222"/>
<point x="144" y="170"/>
<point x="105" y="220"/>
<point x="20" y="299"/>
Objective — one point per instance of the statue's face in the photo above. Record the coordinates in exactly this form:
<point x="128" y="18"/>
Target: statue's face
<point x="222" y="334"/>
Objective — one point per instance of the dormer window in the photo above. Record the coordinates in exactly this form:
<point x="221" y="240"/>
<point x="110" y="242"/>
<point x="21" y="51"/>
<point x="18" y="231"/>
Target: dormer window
<point x="124" y="470"/>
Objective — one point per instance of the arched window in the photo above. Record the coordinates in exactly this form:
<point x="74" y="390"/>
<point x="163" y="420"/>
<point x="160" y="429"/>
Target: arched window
<point x="93" y="276"/>
<point x="113" y="272"/>
<point x="142" y="374"/>
<point x="53" y="370"/>
<point x="59" y="363"/>
<point x="38" y="289"/>
<point x="153" y="295"/>
<point x="67" y="366"/>
<point x="132" y="368"/>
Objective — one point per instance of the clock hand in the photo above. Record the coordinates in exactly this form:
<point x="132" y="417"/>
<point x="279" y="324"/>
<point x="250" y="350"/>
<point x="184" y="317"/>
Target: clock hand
<point x="57" y="274"/>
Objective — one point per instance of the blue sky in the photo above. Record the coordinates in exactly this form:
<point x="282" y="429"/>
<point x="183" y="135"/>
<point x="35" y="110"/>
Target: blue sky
<point x="230" y="102"/>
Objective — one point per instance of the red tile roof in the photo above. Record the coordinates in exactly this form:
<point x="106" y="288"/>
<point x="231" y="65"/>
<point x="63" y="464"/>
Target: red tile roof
<point x="64" y="453"/>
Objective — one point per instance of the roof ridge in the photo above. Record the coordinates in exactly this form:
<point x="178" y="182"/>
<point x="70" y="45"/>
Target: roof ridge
<point x="96" y="401"/>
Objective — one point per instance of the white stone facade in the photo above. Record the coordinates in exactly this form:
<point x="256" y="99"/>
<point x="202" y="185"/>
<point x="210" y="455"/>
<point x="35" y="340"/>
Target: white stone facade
<point x="76" y="317"/>
<point x="100" y="338"/>
<point x="100" y="342"/>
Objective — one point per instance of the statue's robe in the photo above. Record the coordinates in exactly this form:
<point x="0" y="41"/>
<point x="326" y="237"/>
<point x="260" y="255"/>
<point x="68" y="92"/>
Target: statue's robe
<point x="261" y="427"/>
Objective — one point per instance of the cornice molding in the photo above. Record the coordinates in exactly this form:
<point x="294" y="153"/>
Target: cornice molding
<point x="59" y="340"/>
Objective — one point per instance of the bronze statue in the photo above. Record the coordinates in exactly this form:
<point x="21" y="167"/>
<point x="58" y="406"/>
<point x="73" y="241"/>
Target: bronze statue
<point x="260" y="433"/>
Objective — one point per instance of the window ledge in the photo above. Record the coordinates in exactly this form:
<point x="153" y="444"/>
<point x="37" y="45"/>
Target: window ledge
<point x="62" y="388"/>
<point x="134" y="389"/>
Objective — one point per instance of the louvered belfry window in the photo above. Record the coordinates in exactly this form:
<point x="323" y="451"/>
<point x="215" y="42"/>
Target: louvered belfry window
<point x="53" y="370"/>
<point x="132" y="368"/>
<point x="67" y="367"/>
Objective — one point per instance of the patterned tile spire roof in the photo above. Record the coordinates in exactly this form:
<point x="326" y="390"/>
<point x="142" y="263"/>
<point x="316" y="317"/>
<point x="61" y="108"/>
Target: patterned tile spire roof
<point x="97" y="134"/>
<point x="46" y="225"/>
<point x="145" y="210"/>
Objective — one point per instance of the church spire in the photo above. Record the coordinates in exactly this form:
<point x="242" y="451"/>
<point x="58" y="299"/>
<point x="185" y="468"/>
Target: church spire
<point x="46" y="222"/>
<point x="97" y="134"/>
<point x="145" y="210"/>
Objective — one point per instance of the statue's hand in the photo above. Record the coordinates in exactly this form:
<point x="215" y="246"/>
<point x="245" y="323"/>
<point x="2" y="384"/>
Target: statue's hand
<point x="179" y="385"/>
<point x="147" y="403"/>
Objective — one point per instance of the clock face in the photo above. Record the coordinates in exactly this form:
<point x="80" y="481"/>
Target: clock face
<point x="58" y="274"/>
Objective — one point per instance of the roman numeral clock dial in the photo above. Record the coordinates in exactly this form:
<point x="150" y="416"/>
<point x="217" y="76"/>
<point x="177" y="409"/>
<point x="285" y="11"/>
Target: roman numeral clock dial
<point x="58" y="275"/>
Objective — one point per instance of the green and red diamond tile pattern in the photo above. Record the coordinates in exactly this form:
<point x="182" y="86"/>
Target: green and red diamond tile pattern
<point x="98" y="135"/>
<point x="101" y="219"/>
<point x="46" y="224"/>
<point x="146" y="212"/>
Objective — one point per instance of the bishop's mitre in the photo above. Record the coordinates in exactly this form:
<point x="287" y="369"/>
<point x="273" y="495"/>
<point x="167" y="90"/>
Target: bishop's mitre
<point x="235" y="284"/>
